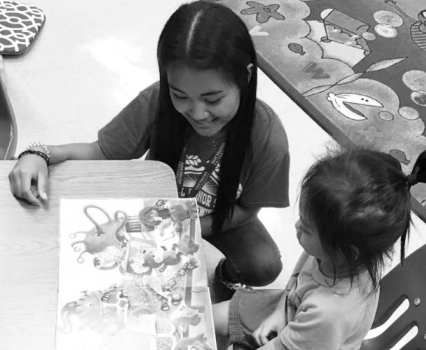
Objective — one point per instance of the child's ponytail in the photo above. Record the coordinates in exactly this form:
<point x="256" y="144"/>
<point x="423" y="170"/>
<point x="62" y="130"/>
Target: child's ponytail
<point x="418" y="174"/>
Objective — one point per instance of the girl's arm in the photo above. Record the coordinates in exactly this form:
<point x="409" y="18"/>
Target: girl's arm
<point x="75" y="151"/>
<point x="242" y="215"/>
<point x="33" y="168"/>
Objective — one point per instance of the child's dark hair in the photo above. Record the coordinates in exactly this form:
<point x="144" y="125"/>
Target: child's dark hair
<point x="359" y="202"/>
<point x="208" y="36"/>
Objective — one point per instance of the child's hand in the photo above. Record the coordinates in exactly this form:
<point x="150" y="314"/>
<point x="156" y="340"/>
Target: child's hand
<point x="269" y="328"/>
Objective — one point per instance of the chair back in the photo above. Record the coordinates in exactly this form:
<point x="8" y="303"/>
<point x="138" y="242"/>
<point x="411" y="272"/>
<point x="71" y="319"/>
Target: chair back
<point x="400" y="321"/>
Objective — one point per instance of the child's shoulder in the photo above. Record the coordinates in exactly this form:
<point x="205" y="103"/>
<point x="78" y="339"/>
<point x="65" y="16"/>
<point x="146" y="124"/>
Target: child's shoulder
<point x="345" y="296"/>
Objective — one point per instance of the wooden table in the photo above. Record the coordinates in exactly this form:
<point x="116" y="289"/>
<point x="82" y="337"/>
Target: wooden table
<point x="29" y="239"/>
<point x="356" y="67"/>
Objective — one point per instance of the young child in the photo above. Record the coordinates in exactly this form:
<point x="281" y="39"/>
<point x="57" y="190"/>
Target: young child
<point x="354" y="206"/>
<point x="227" y="148"/>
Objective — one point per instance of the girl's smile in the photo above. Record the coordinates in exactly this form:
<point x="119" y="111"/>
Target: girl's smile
<point x="206" y="100"/>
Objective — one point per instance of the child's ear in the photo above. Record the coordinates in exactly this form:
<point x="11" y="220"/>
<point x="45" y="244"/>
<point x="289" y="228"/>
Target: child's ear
<point x="249" y="71"/>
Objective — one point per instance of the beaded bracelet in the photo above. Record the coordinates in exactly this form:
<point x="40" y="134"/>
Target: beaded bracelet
<point x="39" y="144"/>
<point x="31" y="151"/>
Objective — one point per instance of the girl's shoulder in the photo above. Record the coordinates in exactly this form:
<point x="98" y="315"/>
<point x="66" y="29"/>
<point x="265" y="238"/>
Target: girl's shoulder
<point x="268" y="130"/>
<point x="264" y="113"/>
<point x="150" y="93"/>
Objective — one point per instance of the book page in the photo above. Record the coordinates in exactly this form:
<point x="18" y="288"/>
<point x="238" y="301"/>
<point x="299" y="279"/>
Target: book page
<point x="132" y="276"/>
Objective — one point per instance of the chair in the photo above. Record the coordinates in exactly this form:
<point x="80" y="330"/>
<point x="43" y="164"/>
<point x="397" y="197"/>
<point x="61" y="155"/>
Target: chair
<point x="400" y="321"/>
<point x="8" y="130"/>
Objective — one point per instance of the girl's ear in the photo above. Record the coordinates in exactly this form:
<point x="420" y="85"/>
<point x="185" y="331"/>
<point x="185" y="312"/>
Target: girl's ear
<point x="356" y="252"/>
<point x="249" y="71"/>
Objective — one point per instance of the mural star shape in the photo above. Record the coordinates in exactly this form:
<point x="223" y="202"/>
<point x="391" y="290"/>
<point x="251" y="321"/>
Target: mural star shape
<point x="263" y="12"/>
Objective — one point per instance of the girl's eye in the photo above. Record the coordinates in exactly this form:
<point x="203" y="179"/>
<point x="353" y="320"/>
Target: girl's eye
<point x="179" y="97"/>
<point x="214" y="102"/>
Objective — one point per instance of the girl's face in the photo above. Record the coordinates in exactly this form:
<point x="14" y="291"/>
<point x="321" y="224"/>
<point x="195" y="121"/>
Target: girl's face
<point x="204" y="98"/>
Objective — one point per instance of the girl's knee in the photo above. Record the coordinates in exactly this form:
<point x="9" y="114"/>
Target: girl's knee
<point x="270" y="272"/>
<point x="264" y="271"/>
<point x="220" y="318"/>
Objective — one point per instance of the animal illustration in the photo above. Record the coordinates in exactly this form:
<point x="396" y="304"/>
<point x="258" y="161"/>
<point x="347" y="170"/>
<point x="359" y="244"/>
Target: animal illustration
<point x="159" y="299"/>
<point x="98" y="311"/>
<point x="186" y="246"/>
<point x="116" y="313"/>
<point x="184" y="343"/>
<point x="341" y="104"/>
<point x="109" y="258"/>
<point x="162" y="216"/>
<point x="155" y="218"/>
<point x="102" y="235"/>
<point x="130" y="339"/>
<point x="153" y="258"/>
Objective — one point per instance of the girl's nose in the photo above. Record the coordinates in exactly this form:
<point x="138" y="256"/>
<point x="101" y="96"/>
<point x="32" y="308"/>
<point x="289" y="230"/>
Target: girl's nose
<point x="199" y="113"/>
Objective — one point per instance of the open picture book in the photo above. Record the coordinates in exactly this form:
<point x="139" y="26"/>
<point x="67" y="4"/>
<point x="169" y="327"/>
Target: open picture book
<point x="132" y="276"/>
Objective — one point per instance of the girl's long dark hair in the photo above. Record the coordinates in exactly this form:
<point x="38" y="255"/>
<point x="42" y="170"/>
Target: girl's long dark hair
<point x="207" y="36"/>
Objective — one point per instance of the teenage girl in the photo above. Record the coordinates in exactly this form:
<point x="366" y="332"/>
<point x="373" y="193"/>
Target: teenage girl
<point x="227" y="148"/>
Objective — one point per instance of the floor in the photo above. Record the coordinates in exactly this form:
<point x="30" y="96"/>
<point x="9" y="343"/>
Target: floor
<point x="92" y="57"/>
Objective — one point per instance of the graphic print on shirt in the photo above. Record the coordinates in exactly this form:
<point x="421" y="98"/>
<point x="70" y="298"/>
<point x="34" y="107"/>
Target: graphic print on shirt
<point x="207" y="196"/>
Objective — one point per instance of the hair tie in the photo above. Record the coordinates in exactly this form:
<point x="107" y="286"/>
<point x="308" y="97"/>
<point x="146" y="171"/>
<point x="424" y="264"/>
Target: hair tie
<point x="412" y="180"/>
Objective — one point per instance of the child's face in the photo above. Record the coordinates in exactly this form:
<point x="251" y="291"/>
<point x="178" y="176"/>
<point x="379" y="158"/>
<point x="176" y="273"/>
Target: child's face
<point x="309" y="239"/>
<point x="204" y="98"/>
<point x="307" y="234"/>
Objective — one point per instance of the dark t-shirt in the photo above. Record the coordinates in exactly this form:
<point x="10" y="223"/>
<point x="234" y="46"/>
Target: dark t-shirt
<point x="265" y="176"/>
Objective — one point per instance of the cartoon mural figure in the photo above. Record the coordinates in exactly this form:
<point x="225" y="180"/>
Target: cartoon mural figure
<point x="341" y="36"/>
<point x="118" y="313"/>
<point x="263" y="12"/>
<point x="341" y="103"/>
<point x="344" y="29"/>
<point x="335" y="53"/>
<point x="296" y="48"/>
<point x="418" y="30"/>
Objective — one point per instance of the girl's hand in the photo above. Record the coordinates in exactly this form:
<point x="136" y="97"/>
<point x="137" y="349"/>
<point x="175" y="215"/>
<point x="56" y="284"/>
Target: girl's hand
<point x="28" y="179"/>
<point x="269" y="328"/>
